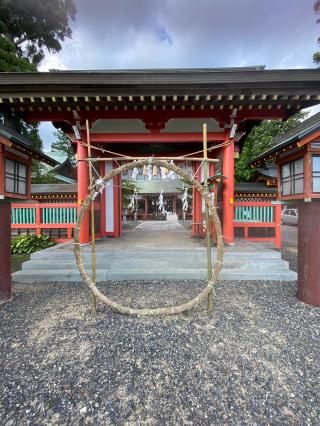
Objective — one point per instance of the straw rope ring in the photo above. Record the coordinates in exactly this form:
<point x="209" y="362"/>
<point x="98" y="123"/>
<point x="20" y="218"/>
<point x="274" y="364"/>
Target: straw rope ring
<point x="150" y="311"/>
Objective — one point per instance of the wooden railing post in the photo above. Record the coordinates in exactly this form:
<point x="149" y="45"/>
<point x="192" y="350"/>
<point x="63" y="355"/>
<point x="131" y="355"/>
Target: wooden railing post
<point x="278" y="226"/>
<point x="38" y="220"/>
<point x="69" y="233"/>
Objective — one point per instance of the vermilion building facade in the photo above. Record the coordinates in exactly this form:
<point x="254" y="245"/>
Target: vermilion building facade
<point x="146" y="113"/>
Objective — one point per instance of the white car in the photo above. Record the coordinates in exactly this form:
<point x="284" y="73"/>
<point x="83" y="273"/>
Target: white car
<point x="289" y="217"/>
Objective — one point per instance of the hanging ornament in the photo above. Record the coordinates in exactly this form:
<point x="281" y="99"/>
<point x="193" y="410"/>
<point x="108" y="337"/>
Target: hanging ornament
<point x="163" y="172"/>
<point x="184" y="200"/>
<point x="171" y="174"/>
<point x="135" y="173"/>
<point x="161" y="203"/>
<point x="149" y="172"/>
<point x="155" y="170"/>
<point x="132" y="204"/>
<point x="145" y="170"/>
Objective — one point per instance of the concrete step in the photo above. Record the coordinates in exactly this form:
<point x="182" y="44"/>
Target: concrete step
<point x="155" y="254"/>
<point x="118" y="264"/>
<point x="144" y="264"/>
<point x="151" y="274"/>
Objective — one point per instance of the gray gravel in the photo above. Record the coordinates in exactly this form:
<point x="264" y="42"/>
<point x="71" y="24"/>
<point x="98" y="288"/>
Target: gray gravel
<point x="290" y="256"/>
<point x="255" y="360"/>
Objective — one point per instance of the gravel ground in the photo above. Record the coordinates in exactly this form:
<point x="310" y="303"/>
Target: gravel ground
<point x="291" y="256"/>
<point x="255" y="360"/>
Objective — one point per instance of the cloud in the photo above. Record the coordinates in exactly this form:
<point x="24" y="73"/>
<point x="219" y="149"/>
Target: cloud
<point x="110" y="34"/>
<point x="187" y="33"/>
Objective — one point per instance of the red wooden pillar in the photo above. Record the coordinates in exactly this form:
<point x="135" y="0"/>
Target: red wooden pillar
<point x="308" y="253"/>
<point x="83" y="184"/>
<point x="117" y="206"/>
<point x="145" y="208"/>
<point x="174" y="204"/>
<point x="5" y="250"/>
<point x="228" y="193"/>
<point x="214" y="200"/>
<point x="196" y="204"/>
<point x="102" y="203"/>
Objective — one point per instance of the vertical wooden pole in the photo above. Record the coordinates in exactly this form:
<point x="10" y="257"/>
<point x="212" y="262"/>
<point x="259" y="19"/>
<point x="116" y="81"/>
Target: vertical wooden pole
<point x="93" y="241"/>
<point x="5" y="250"/>
<point x="208" y="237"/>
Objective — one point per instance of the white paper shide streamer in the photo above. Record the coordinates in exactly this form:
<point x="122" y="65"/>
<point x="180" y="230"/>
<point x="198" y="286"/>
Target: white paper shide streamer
<point x="132" y="204"/>
<point x="161" y="203"/>
<point x="135" y="173"/>
<point x="184" y="200"/>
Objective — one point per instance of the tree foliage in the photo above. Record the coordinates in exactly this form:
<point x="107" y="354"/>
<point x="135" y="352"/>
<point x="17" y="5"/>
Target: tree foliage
<point x="33" y="25"/>
<point x="9" y="59"/>
<point x="27" y="27"/>
<point x="128" y="188"/>
<point x="316" y="56"/>
<point x="259" y="140"/>
<point x="63" y="143"/>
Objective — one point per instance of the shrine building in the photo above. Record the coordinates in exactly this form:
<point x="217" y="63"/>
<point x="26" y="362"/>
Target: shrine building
<point x="160" y="112"/>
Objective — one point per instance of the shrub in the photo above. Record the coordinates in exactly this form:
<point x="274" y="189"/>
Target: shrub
<point x="30" y="243"/>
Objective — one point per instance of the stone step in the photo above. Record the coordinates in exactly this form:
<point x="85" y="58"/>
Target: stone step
<point x="155" y="254"/>
<point x="151" y="274"/>
<point x="118" y="264"/>
<point x="155" y="264"/>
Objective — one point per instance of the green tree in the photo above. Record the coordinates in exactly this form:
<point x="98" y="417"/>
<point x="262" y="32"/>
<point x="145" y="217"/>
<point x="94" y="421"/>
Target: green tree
<point x="128" y="188"/>
<point x="63" y="143"/>
<point x="9" y="59"/>
<point x="27" y="27"/>
<point x="33" y="25"/>
<point x="259" y="140"/>
<point x="316" y="56"/>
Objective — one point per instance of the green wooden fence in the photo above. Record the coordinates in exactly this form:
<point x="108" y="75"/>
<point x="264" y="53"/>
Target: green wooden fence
<point x="263" y="214"/>
<point x="23" y="216"/>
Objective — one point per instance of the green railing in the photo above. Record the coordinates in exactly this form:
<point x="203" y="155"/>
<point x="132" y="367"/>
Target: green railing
<point x="254" y="218"/>
<point x="56" y="215"/>
<point x="254" y="214"/>
<point x="49" y="216"/>
<point x="23" y="215"/>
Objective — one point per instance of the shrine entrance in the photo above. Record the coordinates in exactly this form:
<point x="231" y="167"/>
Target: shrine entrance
<point x="154" y="113"/>
<point x="148" y="208"/>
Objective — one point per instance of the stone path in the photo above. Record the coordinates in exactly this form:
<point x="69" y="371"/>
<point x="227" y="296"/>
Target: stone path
<point x="159" y="225"/>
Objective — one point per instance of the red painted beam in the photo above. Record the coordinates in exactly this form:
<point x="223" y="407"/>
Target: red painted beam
<point x="222" y="116"/>
<point x="308" y="139"/>
<point x="154" y="137"/>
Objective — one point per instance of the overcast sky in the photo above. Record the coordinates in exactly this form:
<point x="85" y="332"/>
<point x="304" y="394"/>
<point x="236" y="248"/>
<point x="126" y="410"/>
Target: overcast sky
<point x="115" y="34"/>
